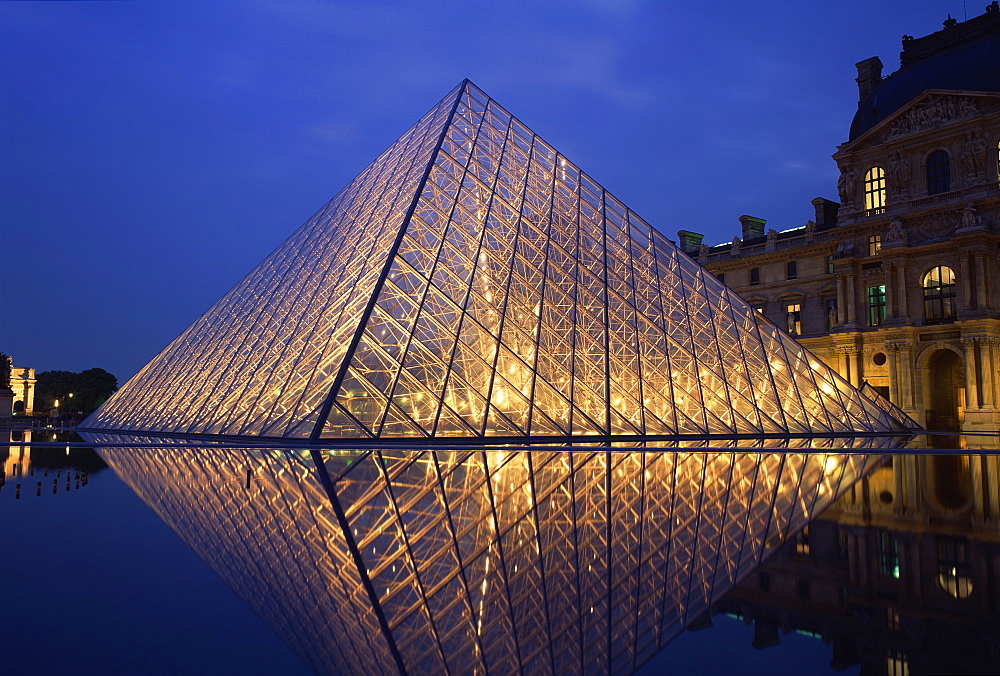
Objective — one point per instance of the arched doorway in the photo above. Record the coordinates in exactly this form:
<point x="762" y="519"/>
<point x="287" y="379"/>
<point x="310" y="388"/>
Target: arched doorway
<point x="950" y="477"/>
<point x="947" y="391"/>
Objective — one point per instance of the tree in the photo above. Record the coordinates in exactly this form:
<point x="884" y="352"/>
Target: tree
<point x="90" y="389"/>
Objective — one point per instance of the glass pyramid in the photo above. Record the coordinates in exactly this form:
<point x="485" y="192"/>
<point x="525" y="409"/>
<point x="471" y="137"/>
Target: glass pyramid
<point x="472" y="282"/>
<point x="886" y="405"/>
<point x="504" y="561"/>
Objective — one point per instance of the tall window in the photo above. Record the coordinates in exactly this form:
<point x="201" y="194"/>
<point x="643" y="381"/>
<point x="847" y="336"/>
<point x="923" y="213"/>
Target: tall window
<point x="792" y="270"/>
<point x="793" y="316"/>
<point x="939" y="295"/>
<point x="876" y="305"/>
<point x="875" y="189"/>
<point x="874" y="245"/>
<point x="754" y="276"/>
<point x="938" y="172"/>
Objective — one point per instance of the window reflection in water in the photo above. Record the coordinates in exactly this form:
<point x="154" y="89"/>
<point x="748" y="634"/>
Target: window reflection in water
<point x="901" y="580"/>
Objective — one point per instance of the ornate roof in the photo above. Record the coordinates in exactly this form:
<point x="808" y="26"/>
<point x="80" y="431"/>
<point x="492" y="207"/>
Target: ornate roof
<point x="962" y="56"/>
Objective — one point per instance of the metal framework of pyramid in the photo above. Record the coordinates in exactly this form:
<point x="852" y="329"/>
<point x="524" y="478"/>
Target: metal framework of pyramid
<point x="473" y="283"/>
<point x="548" y="561"/>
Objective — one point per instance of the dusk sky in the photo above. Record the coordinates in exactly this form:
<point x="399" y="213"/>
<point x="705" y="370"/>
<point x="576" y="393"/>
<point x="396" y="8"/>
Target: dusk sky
<point x="152" y="152"/>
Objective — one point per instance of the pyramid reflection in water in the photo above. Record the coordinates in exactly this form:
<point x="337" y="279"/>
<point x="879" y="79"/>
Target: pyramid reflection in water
<point x="485" y="561"/>
<point x="472" y="282"/>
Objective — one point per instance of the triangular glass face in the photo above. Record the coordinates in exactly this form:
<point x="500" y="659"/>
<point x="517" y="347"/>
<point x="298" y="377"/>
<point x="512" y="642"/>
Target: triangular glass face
<point x="894" y="411"/>
<point x="472" y="282"/>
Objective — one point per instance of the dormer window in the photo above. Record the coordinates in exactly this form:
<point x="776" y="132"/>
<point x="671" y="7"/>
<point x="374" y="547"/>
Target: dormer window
<point x="938" y="172"/>
<point x="875" y="188"/>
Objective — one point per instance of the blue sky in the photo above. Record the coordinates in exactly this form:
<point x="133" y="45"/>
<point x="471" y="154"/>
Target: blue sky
<point x="152" y="152"/>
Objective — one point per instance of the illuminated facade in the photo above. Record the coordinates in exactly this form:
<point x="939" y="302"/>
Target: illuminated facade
<point x="897" y="285"/>
<point x="553" y="560"/>
<point x="473" y="283"/>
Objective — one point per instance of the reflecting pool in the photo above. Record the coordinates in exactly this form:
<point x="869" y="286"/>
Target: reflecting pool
<point x="491" y="553"/>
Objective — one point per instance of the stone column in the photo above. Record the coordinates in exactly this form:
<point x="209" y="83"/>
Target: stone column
<point x="905" y="367"/>
<point x="971" y="382"/>
<point x="986" y="361"/>
<point x="890" y="351"/>
<point x="965" y="299"/>
<point x="855" y="366"/>
<point x="902" y="300"/>
<point x="981" y="299"/>
<point x="891" y="307"/>
<point x="842" y="365"/>
<point x="851" y="300"/>
<point x="841" y="299"/>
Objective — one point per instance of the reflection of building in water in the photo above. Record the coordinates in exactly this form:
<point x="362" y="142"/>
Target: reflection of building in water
<point x="499" y="561"/>
<point x="39" y="470"/>
<point x="901" y="575"/>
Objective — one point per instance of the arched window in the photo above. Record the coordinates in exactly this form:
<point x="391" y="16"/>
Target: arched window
<point x="954" y="571"/>
<point x="875" y="188"/>
<point x="938" y="172"/>
<point x="939" y="295"/>
<point x="874" y="245"/>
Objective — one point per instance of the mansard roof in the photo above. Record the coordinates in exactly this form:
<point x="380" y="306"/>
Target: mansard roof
<point x="963" y="57"/>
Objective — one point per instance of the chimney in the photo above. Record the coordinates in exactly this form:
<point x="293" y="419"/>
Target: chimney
<point x="752" y="227"/>
<point x="869" y="75"/>
<point x="690" y="242"/>
<point x="826" y="212"/>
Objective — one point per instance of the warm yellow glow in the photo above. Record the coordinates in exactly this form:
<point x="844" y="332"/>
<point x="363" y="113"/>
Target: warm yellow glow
<point x="875" y="188"/>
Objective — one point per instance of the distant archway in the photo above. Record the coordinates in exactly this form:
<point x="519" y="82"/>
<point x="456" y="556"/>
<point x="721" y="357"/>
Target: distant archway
<point x="946" y="392"/>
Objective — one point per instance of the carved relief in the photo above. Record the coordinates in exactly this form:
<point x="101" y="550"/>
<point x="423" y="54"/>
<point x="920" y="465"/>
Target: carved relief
<point x="900" y="173"/>
<point x="933" y="227"/>
<point x="895" y="233"/>
<point x="973" y="159"/>
<point x="847" y="187"/>
<point x="969" y="218"/>
<point x="845" y="249"/>
<point x="932" y="112"/>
